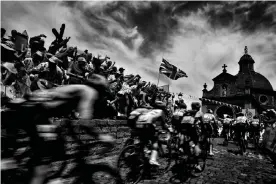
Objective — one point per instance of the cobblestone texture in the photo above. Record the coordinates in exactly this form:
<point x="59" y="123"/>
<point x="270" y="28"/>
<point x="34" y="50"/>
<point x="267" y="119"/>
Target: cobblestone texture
<point x="226" y="168"/>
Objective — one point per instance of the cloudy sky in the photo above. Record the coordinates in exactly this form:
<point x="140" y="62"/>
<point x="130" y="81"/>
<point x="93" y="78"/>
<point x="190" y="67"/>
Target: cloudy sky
<point x="198" y="37"/>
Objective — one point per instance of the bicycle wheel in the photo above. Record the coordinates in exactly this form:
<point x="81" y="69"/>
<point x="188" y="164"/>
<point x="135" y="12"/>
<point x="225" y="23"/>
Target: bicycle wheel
<point x="129" y="142"/>
<point x="164" y="158"/>
<point x="99" y="174"/>
<point x="256" y="141"/>
<point x="131" y="164"/>
<point x="170" y="154"/>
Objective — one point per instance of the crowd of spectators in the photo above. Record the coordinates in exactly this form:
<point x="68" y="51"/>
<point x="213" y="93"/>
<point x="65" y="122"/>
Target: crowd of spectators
<point x="26" y="66"/>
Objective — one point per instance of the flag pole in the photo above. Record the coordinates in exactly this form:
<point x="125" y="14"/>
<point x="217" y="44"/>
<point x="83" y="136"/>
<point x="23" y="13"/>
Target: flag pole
<point x="159" y="71"/>
<point x="158" y="79"/>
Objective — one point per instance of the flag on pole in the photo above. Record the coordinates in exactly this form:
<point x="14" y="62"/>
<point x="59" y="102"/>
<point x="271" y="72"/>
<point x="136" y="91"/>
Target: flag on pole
<point x="171" y="71"/>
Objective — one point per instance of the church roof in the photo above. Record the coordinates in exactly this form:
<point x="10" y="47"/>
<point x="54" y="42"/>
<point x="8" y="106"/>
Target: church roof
<point x="247" y="77"/>
<point x="253" y="80"/>
<point x="246" y="58"/>
<point x="225" y="75"/>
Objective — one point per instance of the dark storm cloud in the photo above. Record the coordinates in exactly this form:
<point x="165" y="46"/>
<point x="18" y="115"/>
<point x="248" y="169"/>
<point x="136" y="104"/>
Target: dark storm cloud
<point x="246" y="16"/>
<point x="156" y="21"/>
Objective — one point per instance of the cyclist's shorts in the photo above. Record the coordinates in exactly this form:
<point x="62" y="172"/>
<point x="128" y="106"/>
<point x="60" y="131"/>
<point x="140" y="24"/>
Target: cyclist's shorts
<point x="147" y="132"/>
<point x="255" y="128"/>
<point x="207" y="129"/>
<point x="190" y="131"/>
<point x="226" y="128"/>
<point x="176" y="124"/>
<point x="241" y="127"/>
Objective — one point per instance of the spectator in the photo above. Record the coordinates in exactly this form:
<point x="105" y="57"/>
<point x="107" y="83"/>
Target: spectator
<point x="38" y="68"/>
<point x="48" y="70"/>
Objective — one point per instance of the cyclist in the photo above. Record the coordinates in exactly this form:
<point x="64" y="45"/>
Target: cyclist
<point x="144" y="122"/>
<point x="189" y="123"/>
<point x="178" y="115"/>
<point x="241" y="126"/>
<point x="226" y="128"/>
<point x="255" y="130"/>
<point x="61" y="101"/>
<point x="209" y="121"/>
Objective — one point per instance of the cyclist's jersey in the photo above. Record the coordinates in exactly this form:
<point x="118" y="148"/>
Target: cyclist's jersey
<point x="227" y="121"/>
<point x="241" y="120"/>
<point x="188" y="120"/>
<point x="190" y="117"/>
<point x="208" y="118"/>
<point x="148" y="117"/>
<point x="178" y="114"/>
<point x="255" y="122"/>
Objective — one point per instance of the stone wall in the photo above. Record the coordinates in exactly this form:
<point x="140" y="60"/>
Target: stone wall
<point x="116" y="128"/>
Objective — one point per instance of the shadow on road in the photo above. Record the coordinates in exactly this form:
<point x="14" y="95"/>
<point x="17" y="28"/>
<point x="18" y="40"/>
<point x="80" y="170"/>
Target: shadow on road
<point x="180" y="174"/>
<point x="272" y="182"/>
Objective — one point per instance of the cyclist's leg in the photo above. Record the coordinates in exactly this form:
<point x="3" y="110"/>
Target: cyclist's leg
<point x="194" y="140"/>
<point x="195" y="148"/>
<point x="210" y="139"/>
<point x="154" y="139"/>
<point x="240" y="137"/>
<point x="244" y="132"/>
<point x="38" y="147"/>
<point x="226" y="130"/>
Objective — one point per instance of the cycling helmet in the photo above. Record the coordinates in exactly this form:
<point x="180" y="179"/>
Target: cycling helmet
<point x="98" y="82"/>
<point x="195" y="105"/>
<point x="210" y="111"/>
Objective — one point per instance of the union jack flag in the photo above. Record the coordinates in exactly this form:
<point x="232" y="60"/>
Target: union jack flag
<point x="171" y="71"/>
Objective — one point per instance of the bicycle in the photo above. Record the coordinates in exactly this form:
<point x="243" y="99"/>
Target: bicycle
<point x="81" y="172"/>
<point x="240" y="129"/>
<point x="183" y="157"/>
<point x="135" y="155"/>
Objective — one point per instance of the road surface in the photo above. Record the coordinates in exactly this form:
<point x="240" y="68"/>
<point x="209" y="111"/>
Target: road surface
<point x="228" y="168"/>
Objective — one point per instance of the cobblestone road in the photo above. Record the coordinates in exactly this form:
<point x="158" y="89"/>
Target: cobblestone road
<point x="226" y="167"/>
